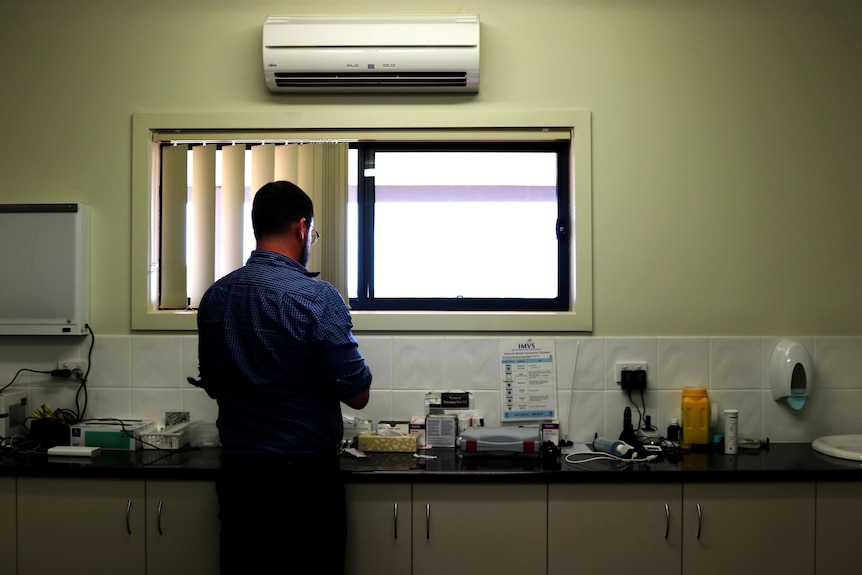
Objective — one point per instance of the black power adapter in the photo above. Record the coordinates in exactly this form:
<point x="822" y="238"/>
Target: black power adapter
<point x="633" y="379"/>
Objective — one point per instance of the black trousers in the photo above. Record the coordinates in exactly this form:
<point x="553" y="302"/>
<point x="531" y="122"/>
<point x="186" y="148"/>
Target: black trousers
<point x="277" y="513"/>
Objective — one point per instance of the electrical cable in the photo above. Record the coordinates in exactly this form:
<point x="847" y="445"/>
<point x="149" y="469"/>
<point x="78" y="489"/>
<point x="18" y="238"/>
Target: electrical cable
<point x="66" y="416"/>
<point x="64" y="373"/>
<point x="599" y="456"/>
<point x="82" y="389"/>
<point x="23" y="369"/>
<point x="637" y="407"/>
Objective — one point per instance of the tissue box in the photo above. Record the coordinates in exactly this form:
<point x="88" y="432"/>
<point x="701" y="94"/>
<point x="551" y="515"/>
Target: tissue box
<point x="110" y="434"/>
<point x="392" y="443"/>
<point x="393" y="427"/>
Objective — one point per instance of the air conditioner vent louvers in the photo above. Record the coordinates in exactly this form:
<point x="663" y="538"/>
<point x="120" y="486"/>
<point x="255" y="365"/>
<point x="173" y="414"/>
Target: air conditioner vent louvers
<point x="370" y="79"/>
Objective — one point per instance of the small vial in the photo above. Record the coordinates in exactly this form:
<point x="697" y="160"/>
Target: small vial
<point x="731" y="424"/>
<point x="673" y="430"/>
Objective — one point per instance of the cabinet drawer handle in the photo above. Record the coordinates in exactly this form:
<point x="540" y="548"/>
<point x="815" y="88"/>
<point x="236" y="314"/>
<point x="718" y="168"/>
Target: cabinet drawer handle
<point x="666" y="520"/>
<point x="427" y="521"/>
<point x="395" y="506"/>
<point x="159" y="517"/>
<point x="699" y="520"/>
<point x="128" y="513"/>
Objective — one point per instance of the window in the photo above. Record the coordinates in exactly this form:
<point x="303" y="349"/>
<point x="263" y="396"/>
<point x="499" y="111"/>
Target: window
<point x="477" y="228"/>
<point x="459" y="226"/>
<point x="205" y="191"/>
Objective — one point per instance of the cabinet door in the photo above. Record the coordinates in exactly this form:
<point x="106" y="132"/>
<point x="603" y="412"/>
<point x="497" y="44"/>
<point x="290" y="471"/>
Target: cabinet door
<point x="839" y="507"/>
<point x="8" y="525"/>
<point x="614" y="528"/>
<point x="379" y="529"/>
<point x="90" y="526"/>
<point x="496" y="528"/>
<point x="182" y="528"/>
<point x="748" y="528"/>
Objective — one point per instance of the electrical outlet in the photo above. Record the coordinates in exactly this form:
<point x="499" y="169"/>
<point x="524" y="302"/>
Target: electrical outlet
<point x="74" y="365"/>
<point x="625" y="376"/>
<point x="629" y="366"/>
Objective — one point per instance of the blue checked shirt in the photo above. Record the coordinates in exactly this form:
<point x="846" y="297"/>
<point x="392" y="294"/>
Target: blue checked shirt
<point x="278" y="354"/>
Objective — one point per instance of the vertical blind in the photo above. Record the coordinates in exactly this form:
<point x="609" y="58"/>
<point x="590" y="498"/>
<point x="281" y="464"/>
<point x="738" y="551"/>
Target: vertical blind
<point x="206" y="194"/>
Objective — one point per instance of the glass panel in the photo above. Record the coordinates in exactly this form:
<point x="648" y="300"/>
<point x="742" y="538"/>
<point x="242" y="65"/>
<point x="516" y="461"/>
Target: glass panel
<point x="465" y="224"/>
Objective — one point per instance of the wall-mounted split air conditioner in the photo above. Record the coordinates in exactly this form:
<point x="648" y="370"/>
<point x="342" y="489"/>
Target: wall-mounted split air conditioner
<point x="381" y="53"/>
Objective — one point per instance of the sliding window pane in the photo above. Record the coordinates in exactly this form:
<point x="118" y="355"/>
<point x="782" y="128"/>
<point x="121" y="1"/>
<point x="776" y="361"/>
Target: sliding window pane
<point x="465" y="225"/>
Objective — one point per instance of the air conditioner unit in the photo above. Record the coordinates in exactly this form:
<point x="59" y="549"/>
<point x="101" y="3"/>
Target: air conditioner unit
<point x="381" y="53"/>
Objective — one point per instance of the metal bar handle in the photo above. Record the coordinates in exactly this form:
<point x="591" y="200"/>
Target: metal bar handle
<point x="699" y="519"/>
<point x="666" y="520"/>
<point x="128" y="513"/>
<point x="427" y="521"/>
<point x="395" y="506"/>
<point x="159" y="517"/>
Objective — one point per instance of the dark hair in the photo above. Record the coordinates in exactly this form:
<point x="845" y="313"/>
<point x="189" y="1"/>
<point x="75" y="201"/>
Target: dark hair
<point x="276" y="206"/>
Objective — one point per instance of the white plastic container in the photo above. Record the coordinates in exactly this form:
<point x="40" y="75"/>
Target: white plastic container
<point x="731" y="427"/>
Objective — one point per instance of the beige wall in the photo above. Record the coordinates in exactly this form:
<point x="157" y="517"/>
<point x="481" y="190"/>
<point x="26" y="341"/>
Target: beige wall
<point x="726" y="156"/>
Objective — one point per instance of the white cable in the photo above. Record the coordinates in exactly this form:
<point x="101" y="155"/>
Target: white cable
<point x="572" y="389"/>
<point x="598" y="456"/>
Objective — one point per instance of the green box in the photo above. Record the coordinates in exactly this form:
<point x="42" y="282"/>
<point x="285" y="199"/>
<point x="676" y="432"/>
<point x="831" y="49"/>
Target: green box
<point x="120" y="434"/>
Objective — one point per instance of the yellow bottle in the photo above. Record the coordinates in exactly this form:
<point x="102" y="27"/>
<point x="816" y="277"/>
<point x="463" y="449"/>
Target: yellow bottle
<point x="695" y="417"/>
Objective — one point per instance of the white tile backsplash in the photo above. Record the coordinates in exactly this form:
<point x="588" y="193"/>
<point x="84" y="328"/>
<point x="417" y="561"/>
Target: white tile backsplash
<point x="418" y="363"/>
<point x="378" y="355"/>
<point x="199" y="405"/>
<point x="735" y="363"/>
<point x="157" y="361"/>
<point x="109" y="402"/>
<point x="587" y="415"/>
<point x="148" y="403"/>
<point x="112" y="362"/>
<point x="189" y="359"/>
<point x="583" y="356"/>
<point x="144" y="375"/>
<point x="682" y="362"/>
<point x="471" y="364"/>
<point x="835" y="362"/>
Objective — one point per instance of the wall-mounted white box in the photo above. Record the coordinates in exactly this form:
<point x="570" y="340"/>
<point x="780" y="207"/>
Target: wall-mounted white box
<point x="45" y="256"/>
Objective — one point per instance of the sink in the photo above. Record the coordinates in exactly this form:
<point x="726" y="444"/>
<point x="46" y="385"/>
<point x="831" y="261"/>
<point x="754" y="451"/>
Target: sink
<point x="843" y="446"/>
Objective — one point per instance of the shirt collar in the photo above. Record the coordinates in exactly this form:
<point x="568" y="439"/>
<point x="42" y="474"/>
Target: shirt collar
<point x="267" y="256"/>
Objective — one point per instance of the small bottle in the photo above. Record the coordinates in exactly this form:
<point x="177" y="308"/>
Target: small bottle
<point x="673" y="430"/>
<point x="731" y="424"/>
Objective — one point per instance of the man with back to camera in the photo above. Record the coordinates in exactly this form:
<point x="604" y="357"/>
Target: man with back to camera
<point x="277" y="352"/>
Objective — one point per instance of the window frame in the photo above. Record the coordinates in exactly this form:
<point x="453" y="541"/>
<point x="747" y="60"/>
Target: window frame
<point x="149" y="127"/>
<point x="365" y="299"/>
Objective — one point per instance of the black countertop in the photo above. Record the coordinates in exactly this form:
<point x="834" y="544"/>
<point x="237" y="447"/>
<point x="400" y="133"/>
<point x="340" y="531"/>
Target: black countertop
<point x="777" y="462"/>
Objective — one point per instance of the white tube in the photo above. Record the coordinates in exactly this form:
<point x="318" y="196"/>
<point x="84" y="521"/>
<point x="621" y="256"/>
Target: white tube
<point x="731" y="426"/>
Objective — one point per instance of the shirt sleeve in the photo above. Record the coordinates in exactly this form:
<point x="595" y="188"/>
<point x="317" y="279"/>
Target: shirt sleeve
<point x="341" y="360"/>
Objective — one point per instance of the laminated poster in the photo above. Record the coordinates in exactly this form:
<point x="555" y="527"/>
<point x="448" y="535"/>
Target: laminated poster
<point x="528" y="380"/>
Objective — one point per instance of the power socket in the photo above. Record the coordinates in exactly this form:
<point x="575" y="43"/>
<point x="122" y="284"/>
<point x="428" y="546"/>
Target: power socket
<point x="632" y="375"/>
<point x="78" y="367"/>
